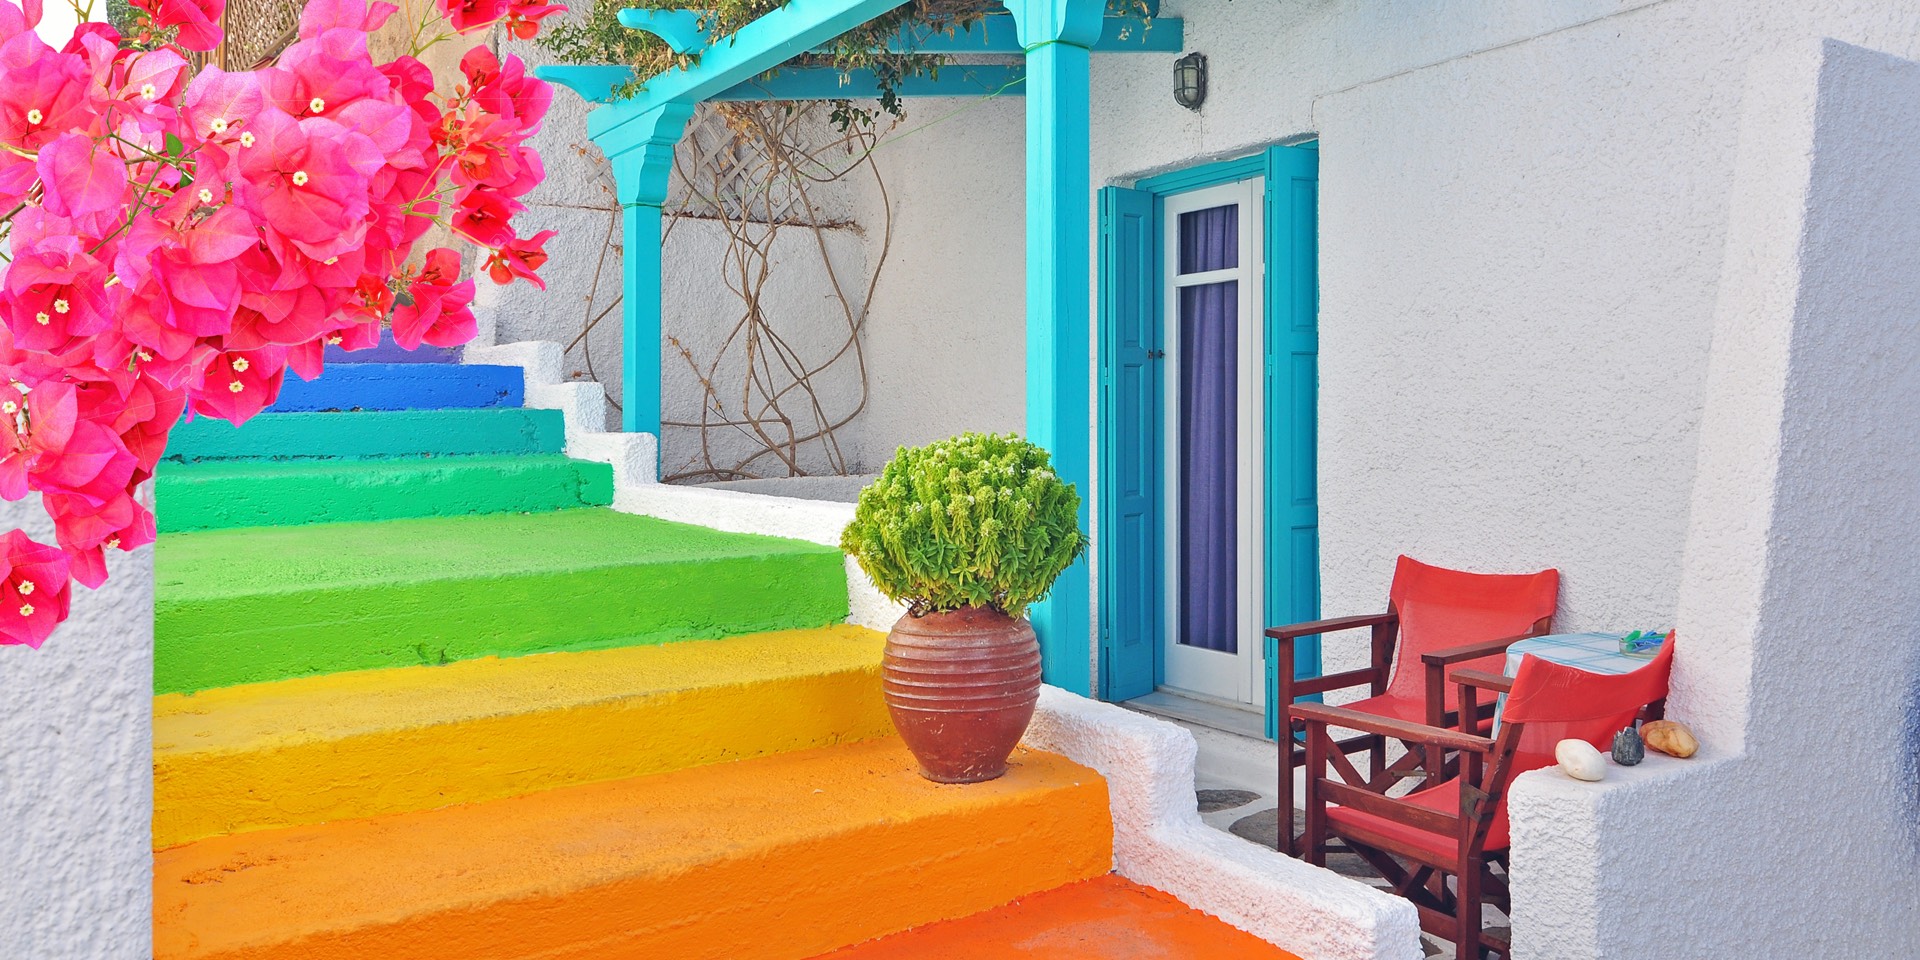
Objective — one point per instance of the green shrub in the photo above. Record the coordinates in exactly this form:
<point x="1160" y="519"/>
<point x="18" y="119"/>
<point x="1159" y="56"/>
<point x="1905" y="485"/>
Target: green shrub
<point x="979" y="520"/>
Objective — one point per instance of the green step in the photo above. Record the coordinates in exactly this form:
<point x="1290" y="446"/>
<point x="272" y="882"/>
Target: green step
<point x="238" y="493"/>
<point x="264" y="603"/>
<point x="498" y="431"/>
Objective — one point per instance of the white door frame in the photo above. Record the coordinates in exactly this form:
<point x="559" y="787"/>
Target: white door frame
<point x="1240" y="677"/>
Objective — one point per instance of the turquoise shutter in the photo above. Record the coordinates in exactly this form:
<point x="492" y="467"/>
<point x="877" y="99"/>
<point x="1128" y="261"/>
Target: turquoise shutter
<point x="1293" y="347"/>
<point x="1130" y="595"/>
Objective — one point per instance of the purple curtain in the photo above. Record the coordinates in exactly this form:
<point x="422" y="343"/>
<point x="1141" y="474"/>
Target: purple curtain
<point x="1209" y="433"/>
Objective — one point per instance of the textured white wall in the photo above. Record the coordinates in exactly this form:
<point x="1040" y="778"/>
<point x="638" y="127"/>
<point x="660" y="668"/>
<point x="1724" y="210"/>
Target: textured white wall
<point x="1797" y="830"/>
<point x="946" y="337"/>
<point x="76" y="771"/>
<point x="699" y="309"/>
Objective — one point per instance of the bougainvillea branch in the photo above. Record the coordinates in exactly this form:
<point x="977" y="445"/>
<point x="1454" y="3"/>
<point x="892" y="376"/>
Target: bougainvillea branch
<point x="175" y="242"/>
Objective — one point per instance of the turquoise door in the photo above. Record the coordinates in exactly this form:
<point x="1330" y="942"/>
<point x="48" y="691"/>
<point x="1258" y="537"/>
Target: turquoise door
<point x="1133" y="574"/>
<point x="1130" y="444"/>
<point x="1293" y="348"/>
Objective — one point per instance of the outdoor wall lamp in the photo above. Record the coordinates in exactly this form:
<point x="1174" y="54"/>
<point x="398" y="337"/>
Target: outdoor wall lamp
<point x="1190" y="80"/>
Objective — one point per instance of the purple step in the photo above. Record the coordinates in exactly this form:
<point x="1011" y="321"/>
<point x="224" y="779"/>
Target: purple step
<point x="386" y="351"/>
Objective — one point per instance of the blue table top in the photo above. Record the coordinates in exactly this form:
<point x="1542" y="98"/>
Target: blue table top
<point x="1592" y="652"/>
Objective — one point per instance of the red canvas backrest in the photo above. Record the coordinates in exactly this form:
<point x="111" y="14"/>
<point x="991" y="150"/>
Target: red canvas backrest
<point x="1442" y="608"/>
<point x="1552" y="702"/>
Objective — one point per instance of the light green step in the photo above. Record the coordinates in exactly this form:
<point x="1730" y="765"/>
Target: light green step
<point x="252" y="604"/>
<point x="238" y="493"/>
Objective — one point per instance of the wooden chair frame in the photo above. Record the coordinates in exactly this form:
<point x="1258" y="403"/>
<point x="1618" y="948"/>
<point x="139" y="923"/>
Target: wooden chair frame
<point x="1478" y="875"/>
<point x="1448" y="910"/>
<point x="1382" y="776"/>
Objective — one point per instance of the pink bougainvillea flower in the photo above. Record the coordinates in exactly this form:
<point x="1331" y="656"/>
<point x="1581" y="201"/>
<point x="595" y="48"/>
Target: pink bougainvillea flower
<point x="219" y="104"/>
<point x="37" y="418"/>
<point x="520" y="258"/>
<point x="54" y="296"/>
<point x="524" y="16"/>
<point x="441" y="313"/>
<point x="35" y="594"/>
<point x="198" y="20"/>
<point x="85" y="532"/>
<point x="81" y="176"/>
<point x="468" y="16"/>
<point x="506" y="89"/>
<point x="308" y="179"/>
<point x="236" y="384"/>
<point x="320" y="16"/>
<point x="482" y="215"/>
<point x="43" y="94"/>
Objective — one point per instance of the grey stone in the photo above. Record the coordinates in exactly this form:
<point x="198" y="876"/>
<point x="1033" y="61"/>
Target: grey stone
<point x="1214" y="801"/>
<point x="1263" y="828"/>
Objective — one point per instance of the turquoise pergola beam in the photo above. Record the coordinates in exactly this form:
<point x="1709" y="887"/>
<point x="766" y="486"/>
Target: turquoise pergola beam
<point x="597" y="83"/>
<point x="680" y="29"/>
<point x="755" y="49"/>
<point x="991" y="34"/>
<point x="829" y="83"/>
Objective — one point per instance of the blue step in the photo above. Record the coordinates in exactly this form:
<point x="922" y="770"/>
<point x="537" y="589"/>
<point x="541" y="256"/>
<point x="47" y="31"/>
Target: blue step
<point x="389" y="352"/>
<point x="404" y="386"/>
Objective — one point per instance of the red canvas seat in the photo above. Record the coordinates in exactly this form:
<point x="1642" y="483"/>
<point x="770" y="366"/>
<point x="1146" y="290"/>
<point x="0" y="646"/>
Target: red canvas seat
<point x="1457" y="830"/>
<point x="1436" y="618"/>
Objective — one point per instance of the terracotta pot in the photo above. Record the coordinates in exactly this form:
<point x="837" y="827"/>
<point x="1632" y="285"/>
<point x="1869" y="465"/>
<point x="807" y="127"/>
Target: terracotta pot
<point x="961" y="686"/>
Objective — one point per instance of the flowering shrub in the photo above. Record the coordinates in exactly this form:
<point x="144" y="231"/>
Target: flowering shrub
<point x="978" y="520"/>
<point x="176" y="241"/>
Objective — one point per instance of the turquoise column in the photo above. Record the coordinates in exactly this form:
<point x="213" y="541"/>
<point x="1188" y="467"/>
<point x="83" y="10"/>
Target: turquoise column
<point x="1058" y="36"/>
<point x="640" y="147"/>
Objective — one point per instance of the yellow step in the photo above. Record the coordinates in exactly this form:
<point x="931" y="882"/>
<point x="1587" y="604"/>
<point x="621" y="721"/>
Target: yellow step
<point x="346" y="745"/>
<point x="777" y="858"/>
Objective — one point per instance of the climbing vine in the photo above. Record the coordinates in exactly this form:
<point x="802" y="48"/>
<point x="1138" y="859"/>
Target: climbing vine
<point x="769" y="406"/>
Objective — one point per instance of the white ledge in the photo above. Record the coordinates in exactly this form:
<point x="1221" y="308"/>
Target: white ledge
<point x="1160" y="841"/>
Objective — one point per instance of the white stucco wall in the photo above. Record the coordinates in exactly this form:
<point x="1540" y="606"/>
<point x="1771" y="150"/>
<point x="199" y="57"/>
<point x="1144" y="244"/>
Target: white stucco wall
<point x="946" y="336"/>
<point x="1523" y="208"/>
<point x="1796" y="832"/>
<point x="76" y="771"/>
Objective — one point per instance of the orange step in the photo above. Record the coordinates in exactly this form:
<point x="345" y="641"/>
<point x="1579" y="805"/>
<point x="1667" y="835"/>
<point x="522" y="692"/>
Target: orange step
<point x="1105" y="919"/>
<point x="774" y="858"/>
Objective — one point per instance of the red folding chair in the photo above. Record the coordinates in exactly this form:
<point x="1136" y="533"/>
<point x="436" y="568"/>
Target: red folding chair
<point x="1439" y="846"/>
<point x="1443" y="618"/>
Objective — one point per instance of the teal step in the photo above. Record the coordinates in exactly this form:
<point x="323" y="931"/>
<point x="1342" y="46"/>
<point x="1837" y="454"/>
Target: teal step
<point x="499" y="431"/>
<point x="218" y="494"/>
<point x="265" y="603"/>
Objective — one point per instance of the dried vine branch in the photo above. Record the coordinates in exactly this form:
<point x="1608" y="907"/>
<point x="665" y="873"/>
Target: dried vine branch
<point x="765" y="408"/>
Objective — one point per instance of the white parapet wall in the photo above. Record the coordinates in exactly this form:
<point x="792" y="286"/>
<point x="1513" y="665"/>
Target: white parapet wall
<point x="1796" y="831"/>
<point x="1160" y="841"/>
<point x="76" y="771"/>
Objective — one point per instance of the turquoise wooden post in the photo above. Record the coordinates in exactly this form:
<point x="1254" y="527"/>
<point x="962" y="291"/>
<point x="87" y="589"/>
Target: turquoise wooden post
<point x="641" y="151"/>
<point x="1058" y="36"/>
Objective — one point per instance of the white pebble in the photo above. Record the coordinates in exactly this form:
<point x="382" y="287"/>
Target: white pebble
<point x="1579" y="760"/>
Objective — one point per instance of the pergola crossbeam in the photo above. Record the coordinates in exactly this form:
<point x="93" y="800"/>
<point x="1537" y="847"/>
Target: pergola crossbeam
<point x="597" y="83"/>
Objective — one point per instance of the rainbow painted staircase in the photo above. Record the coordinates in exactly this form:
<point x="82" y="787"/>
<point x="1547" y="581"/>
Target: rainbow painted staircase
<point x="420" y="694"/>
